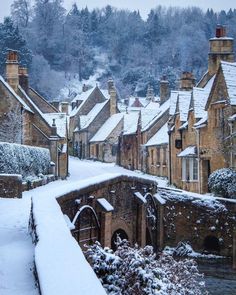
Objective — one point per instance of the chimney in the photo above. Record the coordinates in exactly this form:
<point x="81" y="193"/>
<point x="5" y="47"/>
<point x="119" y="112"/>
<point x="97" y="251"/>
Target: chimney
<point x="187" y="81"/>
<point x="150" y="93"/>
<point x="126" y="101"/>
<point x="24" y="78"/>
<point x="65" y="107"/>
<point x="12" y="69"/>
<point x="221" y="48"/>
<point x="110" y="85"/>
<point x="84" y="88"/>
<point x="112" y="101"/>
<point x="164" y="90"/>
<point x="54" y="128"/>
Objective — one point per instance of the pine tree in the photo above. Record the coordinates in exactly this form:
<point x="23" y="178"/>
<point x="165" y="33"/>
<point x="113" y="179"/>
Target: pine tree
<point x="10" y="38"/>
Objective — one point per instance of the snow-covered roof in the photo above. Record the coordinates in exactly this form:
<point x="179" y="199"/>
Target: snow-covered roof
<point x="107" y="127"/>
<point x="229" y="72"/>
<point x="142" y="100"/>
<point x="202" y="122"/>
<point x="173" y="102"/>
<point x="149" y="116"/>
<point x="130" y="123"/>
<point x="86" y="120"/>
<point x="200" y="97"/>
<point x="60" y="118"/>
<point x="83" y="95"/>
<point x="184" y="126"/>
<point x="60" y="121"/>
<point x="188" y="152"/>
<point x="232" y="118"/>
<point x="105" y="93"/>
<point x="21" y="101"/>
<point x="152" y="104"/>
<point x="184" y="100"/>
<point x="161" y="137"/>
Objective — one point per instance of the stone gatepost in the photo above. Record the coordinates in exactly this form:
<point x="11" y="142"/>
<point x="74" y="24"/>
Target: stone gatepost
<point x="141" y="219"/>
<point x="160" y="237"/>
<point x="106" y="210"/>
<point x="105" y="234"/>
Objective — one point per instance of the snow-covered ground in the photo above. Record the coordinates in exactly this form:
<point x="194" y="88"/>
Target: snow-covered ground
<point x="16" y="249"/>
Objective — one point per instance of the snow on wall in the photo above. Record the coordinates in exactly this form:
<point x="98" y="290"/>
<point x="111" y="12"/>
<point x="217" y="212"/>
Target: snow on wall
<point x="60" y="263"/>
<point x="24" y="160"/>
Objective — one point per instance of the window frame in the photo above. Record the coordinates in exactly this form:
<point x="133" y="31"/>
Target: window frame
<point x="190" y="169"/>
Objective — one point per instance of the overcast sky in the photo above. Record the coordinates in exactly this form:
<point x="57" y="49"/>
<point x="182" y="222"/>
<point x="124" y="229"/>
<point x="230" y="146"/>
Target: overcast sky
<point x="143" y="5"/>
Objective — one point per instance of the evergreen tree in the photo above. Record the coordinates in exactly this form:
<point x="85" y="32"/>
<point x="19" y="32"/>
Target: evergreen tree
<point x="10" y="38"/>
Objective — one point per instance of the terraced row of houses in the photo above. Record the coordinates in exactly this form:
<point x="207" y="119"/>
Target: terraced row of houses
<point x="184" y="134"/>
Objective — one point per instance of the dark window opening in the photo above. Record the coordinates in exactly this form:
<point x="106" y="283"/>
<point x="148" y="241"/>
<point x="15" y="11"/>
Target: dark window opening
<point x="211" y="244"/>
<point x="118" y="233"/>
<point x="148" y="237"/>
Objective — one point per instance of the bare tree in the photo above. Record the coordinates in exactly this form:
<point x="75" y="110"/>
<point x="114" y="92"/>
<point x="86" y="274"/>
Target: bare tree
<point x="21" y="12"/>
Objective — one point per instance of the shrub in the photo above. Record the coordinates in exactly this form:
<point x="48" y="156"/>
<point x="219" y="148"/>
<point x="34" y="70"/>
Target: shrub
<point x="24" y="160"/>
<point x="222" y="183"/>
<point x="134" y="270"/>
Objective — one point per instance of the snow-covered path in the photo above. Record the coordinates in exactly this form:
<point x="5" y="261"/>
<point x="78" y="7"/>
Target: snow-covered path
<point x="16" y="249"/>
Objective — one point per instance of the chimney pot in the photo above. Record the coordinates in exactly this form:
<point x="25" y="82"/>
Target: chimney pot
<point x="220" y="31"/>
<point x="12" y="56"/>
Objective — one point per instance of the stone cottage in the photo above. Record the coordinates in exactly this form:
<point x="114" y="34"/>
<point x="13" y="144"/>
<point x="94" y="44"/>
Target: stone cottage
<point x="90" y="113"/>
<point x="134" y="151"/>
<point x="202" y="139"/>
<point x="27" y="118"/>
<point x="104" y="144"/>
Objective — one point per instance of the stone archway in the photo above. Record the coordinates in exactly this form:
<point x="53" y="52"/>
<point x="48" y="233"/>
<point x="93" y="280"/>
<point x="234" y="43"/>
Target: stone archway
<point x="118" y="233"/>
<point x="211" y="244"/>
<point x="87" y="226"/>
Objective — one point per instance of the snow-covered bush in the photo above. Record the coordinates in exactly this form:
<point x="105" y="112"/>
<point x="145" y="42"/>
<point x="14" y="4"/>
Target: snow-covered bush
<point x="24" y="160"/>
<point x="222" y="183"/>
<point x="138" y="271"/>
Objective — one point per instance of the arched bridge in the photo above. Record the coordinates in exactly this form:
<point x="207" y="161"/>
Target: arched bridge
<point x="138" y="210"/>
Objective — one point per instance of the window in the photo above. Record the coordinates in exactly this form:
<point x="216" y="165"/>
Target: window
<point x="164" y="155"/>
<point x="152" y="157"/>
<point x="189" y="169"/>
<point x="97" y="150"/>
<point x="158" y="156"/>
<point x="195" y="169"/>
<point x="114" y="149"/>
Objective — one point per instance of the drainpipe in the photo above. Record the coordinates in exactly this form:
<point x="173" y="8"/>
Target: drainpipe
<point x="231" y="143"/>
<point x="198" y="155"/>
<point x="169" y="170"/>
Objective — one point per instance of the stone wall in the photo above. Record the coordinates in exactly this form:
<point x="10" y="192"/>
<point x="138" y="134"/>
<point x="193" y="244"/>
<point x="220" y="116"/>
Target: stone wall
<point x="120" y="194"/>
<point x="11" y="118"/>
<point x="157" y="160"/>
<point x="10" y="186"/>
